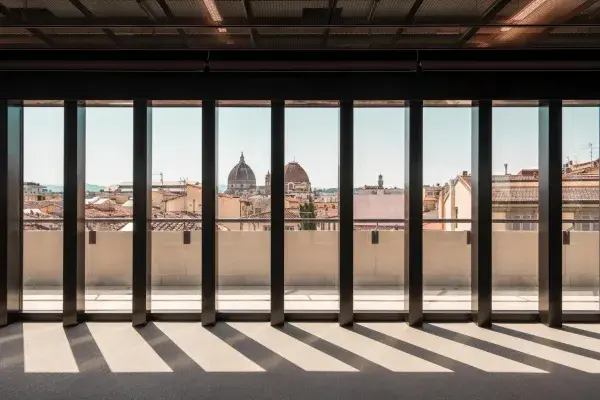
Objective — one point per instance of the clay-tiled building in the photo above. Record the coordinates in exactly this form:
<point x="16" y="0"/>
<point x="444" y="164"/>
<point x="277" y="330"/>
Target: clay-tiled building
<point x="515" y="198"/>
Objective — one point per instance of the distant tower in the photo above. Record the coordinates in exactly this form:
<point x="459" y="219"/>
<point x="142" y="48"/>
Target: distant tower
<point x="380" y="182"/>
<point x="268" y="183"/>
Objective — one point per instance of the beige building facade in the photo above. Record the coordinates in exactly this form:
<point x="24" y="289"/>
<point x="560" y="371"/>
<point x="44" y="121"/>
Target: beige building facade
<point x="515" y="198"/>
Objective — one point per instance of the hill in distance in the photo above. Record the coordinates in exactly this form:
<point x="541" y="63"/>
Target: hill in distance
<point x="88" y="187"/>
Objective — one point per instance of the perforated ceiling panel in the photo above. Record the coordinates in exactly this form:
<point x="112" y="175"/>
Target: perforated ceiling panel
<point x="58" y="8"/>
<point x="459" y="9"/>
<point x="114" y="8"/>
<point x="296" y="24"/>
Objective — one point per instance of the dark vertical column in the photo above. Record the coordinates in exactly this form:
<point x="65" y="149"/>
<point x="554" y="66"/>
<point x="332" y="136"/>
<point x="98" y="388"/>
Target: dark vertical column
<point x="346" y="243"/>
<point x="413" y="213"/>
<point x="481" y="213"/>
<point x="11" y="209"/>
<point x="550" y="213"/>
<point x="142" y="210"/>
<point x="209" y="212"/>
<point x="74" y="213"/>
<point x="277" y="212"/>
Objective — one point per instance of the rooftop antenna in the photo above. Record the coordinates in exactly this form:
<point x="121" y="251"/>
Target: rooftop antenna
<point x="591" y="146"/>
<point x="162" y="183"/>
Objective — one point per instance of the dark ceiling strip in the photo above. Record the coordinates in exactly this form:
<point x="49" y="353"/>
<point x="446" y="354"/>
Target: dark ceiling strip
<point x="167" y="10"/>
<point x="12" y="17"/>
<point x="409" y="20"/>
<point x="250" y="19"/>
<point x="489" y="15"/>
<point x="88" y="14"/>
<point x="192" y="23"/>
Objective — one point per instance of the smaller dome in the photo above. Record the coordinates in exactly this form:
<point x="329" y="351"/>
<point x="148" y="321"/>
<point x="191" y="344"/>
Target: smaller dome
<point x="295" y="173"/>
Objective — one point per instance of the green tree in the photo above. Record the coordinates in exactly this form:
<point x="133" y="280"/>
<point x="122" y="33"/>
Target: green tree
<point x="308" y="210"/>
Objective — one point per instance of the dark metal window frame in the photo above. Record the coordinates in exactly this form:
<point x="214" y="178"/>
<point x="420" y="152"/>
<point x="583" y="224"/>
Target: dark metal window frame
<point x="414" y="87"/>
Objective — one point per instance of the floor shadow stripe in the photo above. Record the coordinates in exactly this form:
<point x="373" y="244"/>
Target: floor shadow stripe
<point x="253" y="350"/>
<point x="419" y="352"/>
<point x="12" y="355"/>
<point x="582" y="332"/>
<point x="548" y="342"/>
<point x="172" y="355"/>
<point x="86" y="352"/>
<point x="343" y="355"/>
<point x="498" y="350"/>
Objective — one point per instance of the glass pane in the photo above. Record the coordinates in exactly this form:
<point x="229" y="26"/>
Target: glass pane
<point x="42" y="200"/>
<point x="580" y="208"/>
<point x="311" y="189"/>
<point x="176" y="208"/>
<point x="244" y="159"/>
<point x="515" y="208"/>
<point x="379" y="208"/>
<point x="109" y="185"/>
<point x="446" y="208"/>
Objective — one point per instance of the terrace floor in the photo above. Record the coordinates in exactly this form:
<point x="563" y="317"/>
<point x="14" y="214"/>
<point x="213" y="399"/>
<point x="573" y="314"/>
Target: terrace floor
<point x="166" y="360"/>
<point x="181" y="299"/>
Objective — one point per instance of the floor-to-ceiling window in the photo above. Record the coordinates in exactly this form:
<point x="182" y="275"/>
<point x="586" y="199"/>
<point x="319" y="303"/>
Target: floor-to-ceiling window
<point x="43" y="161"/>
<point x="580" y="204"/>
<point x="311" y="206"/>
<point x="109" y="195"/>
<point x="515" y="136"/>
<point x="378" y="205"/>
<point x="176" y="206"/>
<point x="243" y="205"/>
<point x="446" y="205"/>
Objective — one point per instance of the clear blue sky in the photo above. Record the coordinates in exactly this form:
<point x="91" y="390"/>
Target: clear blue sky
<point x="312" y="137"/>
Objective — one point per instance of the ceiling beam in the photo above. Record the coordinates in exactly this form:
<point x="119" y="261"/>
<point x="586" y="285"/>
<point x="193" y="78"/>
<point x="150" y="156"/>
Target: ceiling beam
<point x="371" y="15"/>
<point x="408" y="20"/>
<point x="488" y="16"/>
<point x="372" y="10"/>
<point x="332" y="7"/>
<point x="241" y="22"/>
<point x="13" y="17"/>
<point x="88" y="14"/>
<point x="250" y="20"/>
<point x="171" y="17"/>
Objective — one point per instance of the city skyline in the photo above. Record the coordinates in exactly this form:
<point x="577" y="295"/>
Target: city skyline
<point x="312" y="136"/>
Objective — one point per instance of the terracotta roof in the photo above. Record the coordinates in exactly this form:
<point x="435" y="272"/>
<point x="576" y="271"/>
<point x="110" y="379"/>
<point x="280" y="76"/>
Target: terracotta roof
<point x="372" y="227"/>
<point x="530" y="194"/>
<point x="39" y="204"/>
<point x="174" y="197"/>
<point x="327" y="213"/>
<point x="289" y="214"/>
<point x="524" y="178"/>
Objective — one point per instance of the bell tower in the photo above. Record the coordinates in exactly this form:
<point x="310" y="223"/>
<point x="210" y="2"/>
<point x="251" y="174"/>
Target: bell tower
<point x="268" y="183"/>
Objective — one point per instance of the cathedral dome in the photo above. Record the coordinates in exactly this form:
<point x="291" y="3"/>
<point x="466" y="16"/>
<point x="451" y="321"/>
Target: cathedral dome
<point x="241" y="177"/>
<point x="295" y="173"/>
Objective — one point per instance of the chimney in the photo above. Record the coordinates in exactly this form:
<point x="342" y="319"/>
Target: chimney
<point x="505" y="169"/>
<point x="465" y="173"/>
